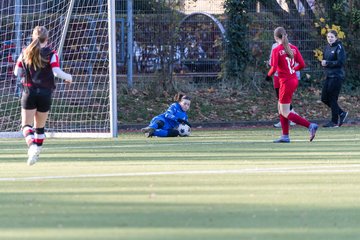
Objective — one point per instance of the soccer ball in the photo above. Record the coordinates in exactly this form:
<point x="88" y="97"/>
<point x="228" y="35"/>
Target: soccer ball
<point x="184" y="130"/>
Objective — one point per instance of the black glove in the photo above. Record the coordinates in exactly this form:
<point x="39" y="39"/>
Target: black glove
<point x="182" y="121"/>
<point x="268" y="78"/>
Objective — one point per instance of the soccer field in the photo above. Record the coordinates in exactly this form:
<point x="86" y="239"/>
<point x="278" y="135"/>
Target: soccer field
<point x="233" y="184"/>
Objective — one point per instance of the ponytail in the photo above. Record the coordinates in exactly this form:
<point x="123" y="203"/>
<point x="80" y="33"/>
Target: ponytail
<point x="32" y="53"/>
<point x="281" y="33"/>
<point x="32" y="56"/>
<point x="287" y="48"/>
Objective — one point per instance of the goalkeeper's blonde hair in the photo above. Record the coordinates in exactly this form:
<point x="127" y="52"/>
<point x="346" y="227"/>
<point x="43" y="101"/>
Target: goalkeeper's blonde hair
<point x="32" y="56"/>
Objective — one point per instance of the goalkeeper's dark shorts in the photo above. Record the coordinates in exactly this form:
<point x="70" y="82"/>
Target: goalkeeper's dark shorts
<point x="36" y="98"/>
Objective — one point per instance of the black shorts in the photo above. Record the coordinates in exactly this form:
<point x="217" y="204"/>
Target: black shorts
<point x="36" y="98"/>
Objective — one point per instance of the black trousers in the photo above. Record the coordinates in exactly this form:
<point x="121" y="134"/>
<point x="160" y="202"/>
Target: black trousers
<point x="330" y="94"/>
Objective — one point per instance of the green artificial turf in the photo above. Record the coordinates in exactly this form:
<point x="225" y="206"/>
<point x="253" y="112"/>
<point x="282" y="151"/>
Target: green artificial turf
<point x="229" y="184"/>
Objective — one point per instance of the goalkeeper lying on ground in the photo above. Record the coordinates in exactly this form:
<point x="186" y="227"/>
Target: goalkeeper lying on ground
<point x="165" y="125"/>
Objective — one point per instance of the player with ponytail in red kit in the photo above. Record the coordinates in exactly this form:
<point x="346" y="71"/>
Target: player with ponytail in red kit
<point x="286" y="60"/>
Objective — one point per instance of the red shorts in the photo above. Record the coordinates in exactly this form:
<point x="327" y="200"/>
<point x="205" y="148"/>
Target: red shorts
<point x="287" y="89"/>
<point x="276" y="82"/>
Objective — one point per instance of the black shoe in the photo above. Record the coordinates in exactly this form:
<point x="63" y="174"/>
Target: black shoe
<point x="330" y="125"/>
<point x="149" y="132"/>
<point x="343" y="117"/>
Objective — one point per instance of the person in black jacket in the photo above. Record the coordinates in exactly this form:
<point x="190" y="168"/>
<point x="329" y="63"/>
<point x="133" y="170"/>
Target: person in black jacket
<point x="333" y="63"/>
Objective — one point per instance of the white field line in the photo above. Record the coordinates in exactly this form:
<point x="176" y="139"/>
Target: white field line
<point x="161" y="144"/>
<point x="352" y="168"/>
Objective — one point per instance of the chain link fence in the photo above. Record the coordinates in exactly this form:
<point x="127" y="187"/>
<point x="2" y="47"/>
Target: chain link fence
<point x="177" y="42"/>
<point x="181" y="41"/>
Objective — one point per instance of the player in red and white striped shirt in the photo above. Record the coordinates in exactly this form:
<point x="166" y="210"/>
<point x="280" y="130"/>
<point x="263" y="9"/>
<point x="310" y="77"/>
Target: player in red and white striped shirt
<point x="37" y="66"/>
<point x="286" y="59"/>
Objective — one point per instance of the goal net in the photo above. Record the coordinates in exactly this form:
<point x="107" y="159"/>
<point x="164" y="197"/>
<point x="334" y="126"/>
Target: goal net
<point x="79" y="31"/>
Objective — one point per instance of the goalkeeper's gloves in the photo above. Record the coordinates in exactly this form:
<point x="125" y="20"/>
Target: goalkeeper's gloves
<point x="182" y="121"/>
<point x="268" y="78"/>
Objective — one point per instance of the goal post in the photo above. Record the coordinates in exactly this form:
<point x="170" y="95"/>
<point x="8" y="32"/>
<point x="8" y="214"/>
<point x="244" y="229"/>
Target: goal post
<point x="83" y="32"/>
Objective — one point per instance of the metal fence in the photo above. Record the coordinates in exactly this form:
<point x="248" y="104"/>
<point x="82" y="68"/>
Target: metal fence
<point x="298" y="20"/>
<point x="173" y="42"/>
<point x="182" y="40"/>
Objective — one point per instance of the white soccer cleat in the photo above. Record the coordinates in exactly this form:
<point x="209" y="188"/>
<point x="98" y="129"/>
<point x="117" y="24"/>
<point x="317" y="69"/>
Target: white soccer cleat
<point x="277" y="125"/>
<point x="33" y="154"/>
